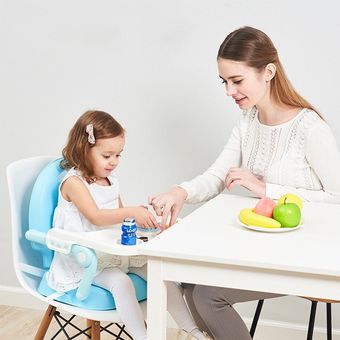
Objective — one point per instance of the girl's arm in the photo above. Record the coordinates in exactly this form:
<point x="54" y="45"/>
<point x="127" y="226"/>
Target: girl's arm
<point x="74" y="190"/>
<point x="324" y="157"/>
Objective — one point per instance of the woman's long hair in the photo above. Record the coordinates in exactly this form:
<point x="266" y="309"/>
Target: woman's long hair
<point x="255" y="49"/>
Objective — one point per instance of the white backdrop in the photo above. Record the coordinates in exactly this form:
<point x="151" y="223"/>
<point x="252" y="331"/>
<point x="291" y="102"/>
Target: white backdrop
<point x="152" y="64"/>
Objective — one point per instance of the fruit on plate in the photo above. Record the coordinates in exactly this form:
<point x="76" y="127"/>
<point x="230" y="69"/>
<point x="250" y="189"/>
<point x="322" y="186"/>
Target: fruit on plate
<point x="288" y="214"/>
<point x="290" y="198"/>
<point x="265" y="207"/>
<point x="249" y="217"/>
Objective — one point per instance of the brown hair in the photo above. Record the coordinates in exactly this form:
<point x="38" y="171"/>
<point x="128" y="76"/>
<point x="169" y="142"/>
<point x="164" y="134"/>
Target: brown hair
<point x="255" y="48"/>
<point x="77" y="147"/>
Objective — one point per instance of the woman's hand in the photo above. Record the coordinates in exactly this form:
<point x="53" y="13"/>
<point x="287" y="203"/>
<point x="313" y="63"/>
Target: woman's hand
<point x="170" y="202"/>
<point x="143" y="217"/>
<point x="241" y="176"/>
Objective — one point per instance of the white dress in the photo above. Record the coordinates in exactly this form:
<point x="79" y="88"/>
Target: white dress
<point x="65" y="273"/>
<point x="299" y="156"/>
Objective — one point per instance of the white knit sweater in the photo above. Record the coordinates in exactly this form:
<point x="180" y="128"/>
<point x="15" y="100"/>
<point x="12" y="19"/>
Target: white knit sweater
<point x="299" y="156"/>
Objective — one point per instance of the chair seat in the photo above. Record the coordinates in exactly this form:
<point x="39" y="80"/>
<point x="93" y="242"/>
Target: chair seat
<point x="98" y="299"/>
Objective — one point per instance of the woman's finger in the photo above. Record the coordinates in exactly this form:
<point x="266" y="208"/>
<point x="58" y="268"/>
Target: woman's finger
<point x="233" y="183"/>
<point x="158" y="210"/>
<point x="166" y="212"/>
<point x="158" y="205"/>
<point x="174" y="214"/>
<point x="156" y="200"/>
<point x="230" y="179"/>
<point x="150" y="199"/>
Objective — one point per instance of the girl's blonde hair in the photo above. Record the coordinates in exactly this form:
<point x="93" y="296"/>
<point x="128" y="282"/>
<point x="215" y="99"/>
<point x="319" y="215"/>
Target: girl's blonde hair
<point x="76" y="150"/>
<point x="255" y="49"/>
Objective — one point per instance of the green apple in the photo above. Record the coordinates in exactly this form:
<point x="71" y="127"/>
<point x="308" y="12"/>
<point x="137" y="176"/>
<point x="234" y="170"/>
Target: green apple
<point x="288" y="214"/>
<point x="290" y="198"/>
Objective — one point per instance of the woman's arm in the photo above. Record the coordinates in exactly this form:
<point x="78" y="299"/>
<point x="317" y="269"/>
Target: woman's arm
<point x="74" y="190"/>
<point x="202" y="187"/>
<point x="324" y="158"/>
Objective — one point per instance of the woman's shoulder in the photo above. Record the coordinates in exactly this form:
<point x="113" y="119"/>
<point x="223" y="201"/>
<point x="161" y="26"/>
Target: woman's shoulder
<point x="311" y="120"/>
<point x="315" y="128"/>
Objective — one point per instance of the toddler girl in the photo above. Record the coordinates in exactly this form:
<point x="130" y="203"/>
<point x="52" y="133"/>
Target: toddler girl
<point x="89" y="200"/>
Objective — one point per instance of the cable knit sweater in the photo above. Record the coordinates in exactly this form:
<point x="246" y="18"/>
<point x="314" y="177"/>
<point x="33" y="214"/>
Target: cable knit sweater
<point x="299" y="156"/>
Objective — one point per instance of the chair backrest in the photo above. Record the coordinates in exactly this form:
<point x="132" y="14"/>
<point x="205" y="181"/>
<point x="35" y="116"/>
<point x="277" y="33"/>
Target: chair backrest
<point x="21" y="177"/>
<point x="44" y="199"/>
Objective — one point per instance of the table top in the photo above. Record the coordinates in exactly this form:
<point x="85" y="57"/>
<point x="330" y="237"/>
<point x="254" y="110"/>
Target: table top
<point x="211" y="234"/>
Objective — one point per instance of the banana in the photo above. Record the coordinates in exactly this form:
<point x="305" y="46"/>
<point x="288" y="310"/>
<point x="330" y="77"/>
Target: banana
<point x="249" y="217"/>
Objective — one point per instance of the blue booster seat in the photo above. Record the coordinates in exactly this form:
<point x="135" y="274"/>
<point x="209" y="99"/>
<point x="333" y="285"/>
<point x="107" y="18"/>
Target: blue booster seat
<point x="44" y="199"/>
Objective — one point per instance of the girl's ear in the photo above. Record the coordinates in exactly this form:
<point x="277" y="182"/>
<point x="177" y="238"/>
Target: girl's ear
<point x="270" y="71"/>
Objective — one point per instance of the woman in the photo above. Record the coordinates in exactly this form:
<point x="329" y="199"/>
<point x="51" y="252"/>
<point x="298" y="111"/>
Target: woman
<point x="274" y="149"/>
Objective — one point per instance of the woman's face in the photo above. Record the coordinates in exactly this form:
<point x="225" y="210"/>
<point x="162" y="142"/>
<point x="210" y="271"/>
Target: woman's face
<point x="245" y="84"/>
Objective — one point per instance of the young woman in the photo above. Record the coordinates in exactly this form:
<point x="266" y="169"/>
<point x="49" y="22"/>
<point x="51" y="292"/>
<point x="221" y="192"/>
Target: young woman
<point x="280" y="145"/>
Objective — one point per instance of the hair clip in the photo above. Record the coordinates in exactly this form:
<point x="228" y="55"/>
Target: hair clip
<point x="89" y="130"/>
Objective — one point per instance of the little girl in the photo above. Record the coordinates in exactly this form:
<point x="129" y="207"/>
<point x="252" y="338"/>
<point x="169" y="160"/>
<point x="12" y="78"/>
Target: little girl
<point x="89" y="200"/>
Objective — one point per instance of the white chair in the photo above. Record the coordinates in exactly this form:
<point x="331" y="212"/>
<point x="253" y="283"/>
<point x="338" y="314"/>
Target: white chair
<point x="33" y="193"/>
<point x="312" y="314"/>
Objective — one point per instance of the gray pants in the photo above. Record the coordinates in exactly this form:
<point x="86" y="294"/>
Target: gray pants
<point x="213" y="312"/>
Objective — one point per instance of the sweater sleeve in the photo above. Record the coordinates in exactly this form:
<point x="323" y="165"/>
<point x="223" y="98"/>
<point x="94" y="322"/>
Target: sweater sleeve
<point x="324" y="158"/>
<point x="211" y="182"/>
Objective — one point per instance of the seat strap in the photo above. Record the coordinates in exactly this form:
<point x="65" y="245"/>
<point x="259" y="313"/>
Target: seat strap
<point x="26" y="268"/>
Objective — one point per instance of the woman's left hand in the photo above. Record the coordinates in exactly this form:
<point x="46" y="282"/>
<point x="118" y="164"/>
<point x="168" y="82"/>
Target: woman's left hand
<point x="242" y="176"/>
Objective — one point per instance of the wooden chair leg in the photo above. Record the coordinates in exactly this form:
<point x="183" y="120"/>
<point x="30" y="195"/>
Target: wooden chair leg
<point x="256" y="318"/>
<point x="311" y="320"/>
<point x="45" y="323"/>
<point x="94" y="331"/>
<point x="88" y="325"/>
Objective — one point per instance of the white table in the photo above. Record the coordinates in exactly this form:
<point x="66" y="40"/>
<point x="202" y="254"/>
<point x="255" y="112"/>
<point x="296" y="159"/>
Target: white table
<point x="208" y="247"/>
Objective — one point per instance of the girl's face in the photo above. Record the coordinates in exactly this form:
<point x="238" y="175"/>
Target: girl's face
<point x="246" y="85"/>
<point x="104" y="155"/>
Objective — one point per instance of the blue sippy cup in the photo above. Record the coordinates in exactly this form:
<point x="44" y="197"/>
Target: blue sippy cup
<point x="129" y="229"/>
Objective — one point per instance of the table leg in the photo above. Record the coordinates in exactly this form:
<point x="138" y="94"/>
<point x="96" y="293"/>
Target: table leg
<point x="156" y="301"/>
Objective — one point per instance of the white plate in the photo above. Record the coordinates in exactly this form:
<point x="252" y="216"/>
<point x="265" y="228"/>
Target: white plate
<point x="148" y="232"/>
<point x="269" y="230"/>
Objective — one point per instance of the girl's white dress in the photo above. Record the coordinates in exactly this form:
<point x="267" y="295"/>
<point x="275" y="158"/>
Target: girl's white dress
<point x="65" y="273"/>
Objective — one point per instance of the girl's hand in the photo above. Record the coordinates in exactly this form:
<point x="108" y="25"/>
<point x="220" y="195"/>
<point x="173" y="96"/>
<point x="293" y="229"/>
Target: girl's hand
<point x="242" y="176"/>
<point x="143" y="217"/>
<point x="170" y="202"/>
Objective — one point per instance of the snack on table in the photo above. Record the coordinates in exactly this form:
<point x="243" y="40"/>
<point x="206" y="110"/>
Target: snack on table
<point x="249" y="217"/>
<point x="269" y="214"/>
